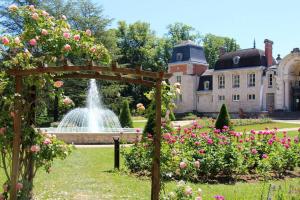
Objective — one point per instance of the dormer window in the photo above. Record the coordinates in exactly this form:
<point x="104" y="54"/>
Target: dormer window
<point x="236" y="60"/>
<point x="206" y="85"/>
<point x="179" y="56"/>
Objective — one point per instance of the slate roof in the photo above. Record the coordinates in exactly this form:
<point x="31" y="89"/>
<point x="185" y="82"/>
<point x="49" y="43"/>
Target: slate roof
<point x="247" y="58"/>
<point x="202" y="79"/>
<point x="190" y="52"/>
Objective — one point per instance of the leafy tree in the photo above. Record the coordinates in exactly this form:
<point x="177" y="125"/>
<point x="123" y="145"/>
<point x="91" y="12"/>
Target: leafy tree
<point x="178" y="32"/>
<point x="125" y="116"/>
<point x="223" y="118"/>
<point x="212" y="44"/>
<point x="137" y="47"/>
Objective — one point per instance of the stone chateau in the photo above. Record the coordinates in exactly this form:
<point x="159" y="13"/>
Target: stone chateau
<point x="247" y="80"/>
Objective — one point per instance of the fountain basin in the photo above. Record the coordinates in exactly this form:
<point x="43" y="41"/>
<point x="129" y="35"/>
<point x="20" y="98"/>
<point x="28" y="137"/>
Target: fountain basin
<point x="127" y="135"/>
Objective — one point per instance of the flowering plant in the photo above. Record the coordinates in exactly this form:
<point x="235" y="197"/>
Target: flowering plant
<point x="46" y="40"/>
<point x="195" y="155"/>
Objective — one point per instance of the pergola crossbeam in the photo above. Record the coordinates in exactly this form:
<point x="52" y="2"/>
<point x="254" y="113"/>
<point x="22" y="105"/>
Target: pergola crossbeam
<point x="114" y="70"/>
<point x="107" y="77"/>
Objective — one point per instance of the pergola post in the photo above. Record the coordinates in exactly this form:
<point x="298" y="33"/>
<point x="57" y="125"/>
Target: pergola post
<point x="155" y="187"/>
<point x="16" y="140"/>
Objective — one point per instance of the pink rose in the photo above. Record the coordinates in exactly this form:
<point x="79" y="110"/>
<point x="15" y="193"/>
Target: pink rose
<point x="253" y="151"/>
<point x="19" y="186"/>
<point x="64" y="17"/>
<point x="35" y="148"/>
<point x="67" y="101"/>
<point x="210" y="141"/>
<point x="93" y="49"/>
<point x="198" y="198"/>
<point x="44" y="32"/>
<point x="58" y="84"/>
<point x="219" y="197"/>
<point x="197" y="164"/>
<point x="2" y="130"/>
<point x="299" y="130"/>
<point x="2" y="197"/>
<point x="137" y="130"/>
<point x="47" y="141"/>
<point x="67" y="47"/>
<point x="31" y="7"/>
<point x="77" y="37"/>
<point x="88" y="32"/>
<point x="182" y="165"/>
<point x="17" y="40"/>
<point x="265" y="156"/>
<point x="5" y="40"/>
<point x="202" y="151"/>
<point x="67" y="35"/>
<point x="32" y="42"/>
<point x="45" y="14"/>
<point x="35" y="16"/>
<point x="188" y="191"/>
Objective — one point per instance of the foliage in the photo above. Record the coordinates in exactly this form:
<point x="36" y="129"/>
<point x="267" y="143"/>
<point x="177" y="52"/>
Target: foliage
<point x="212" y="44"/>
<point x="168" y="94"/>
<point x="223" y="118"/>
<point x="183" y="192"/>
<point x="43" y="41"/>
<point x="47" y="40"/>
<point x="194" y="155"/>
<point x="125" y="115"/>
<point x="179" y="32"/>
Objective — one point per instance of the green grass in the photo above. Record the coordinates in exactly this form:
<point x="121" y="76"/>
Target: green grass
<point x="270" y="125"/>
<point x="87" y="174"/>
<point x="139" y="124"/>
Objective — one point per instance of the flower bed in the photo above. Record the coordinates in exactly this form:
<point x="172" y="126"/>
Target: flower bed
<point x="195" y="155"/>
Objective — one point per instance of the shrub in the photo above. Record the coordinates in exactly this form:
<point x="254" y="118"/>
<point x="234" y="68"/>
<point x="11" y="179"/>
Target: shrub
<point x="193" y="155"/>
<point x="150" y="125"/>
<point x="223" y="118"/>
<point x="125" y="116"/>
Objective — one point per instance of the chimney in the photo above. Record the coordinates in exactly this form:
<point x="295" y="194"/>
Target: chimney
<point x="222" y="51"/>
<point x="268" y="52"/>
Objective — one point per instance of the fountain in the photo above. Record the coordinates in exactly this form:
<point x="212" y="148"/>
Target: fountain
<point x="92" y="124"/>
<point x="94" y="118"/>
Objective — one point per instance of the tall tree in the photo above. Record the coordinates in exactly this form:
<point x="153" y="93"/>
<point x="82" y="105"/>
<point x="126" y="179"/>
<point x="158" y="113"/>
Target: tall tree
<point x="212" y="44"/>
<point x="137" y="45"/>
<point x="178" y="32"/>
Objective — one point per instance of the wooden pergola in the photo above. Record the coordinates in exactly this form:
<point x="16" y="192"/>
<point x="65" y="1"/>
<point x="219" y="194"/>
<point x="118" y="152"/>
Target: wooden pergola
<point x="114" y="73"/>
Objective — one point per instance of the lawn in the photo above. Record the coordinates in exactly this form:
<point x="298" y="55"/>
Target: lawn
<point x="87" y="174"/>
<point x="270" y="125"/>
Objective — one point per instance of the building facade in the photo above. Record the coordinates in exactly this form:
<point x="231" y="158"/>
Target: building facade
<point x="247" y="80"/>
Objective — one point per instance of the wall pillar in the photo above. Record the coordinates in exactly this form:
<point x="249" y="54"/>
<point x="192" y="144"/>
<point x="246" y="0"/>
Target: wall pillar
<point x="287" y="94"/>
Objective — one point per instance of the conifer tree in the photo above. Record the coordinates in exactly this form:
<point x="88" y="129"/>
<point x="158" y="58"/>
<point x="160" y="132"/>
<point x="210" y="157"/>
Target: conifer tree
<point x="125" y="115"/>
<point x="223" y="118"/>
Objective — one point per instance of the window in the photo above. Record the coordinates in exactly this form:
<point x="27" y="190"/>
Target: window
<point x="270" y="81"/>
<point x="251" y="80"/>
<point x="235" y="97"/>
<point x="206" y="85"/>
<point x="251" y="96"/>
<point x="178" y="79"/>
<point x="179" y="56"/>
<point x="221" y="81"/>
<point x="221" y="98"/>
<point x="235" y="81"/>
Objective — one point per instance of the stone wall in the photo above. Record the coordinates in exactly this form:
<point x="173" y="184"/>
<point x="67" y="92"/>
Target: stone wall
<point x="97" y="138"/>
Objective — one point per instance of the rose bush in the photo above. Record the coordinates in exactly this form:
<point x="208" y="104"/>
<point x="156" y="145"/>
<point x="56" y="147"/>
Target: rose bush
<point x="195" y="155"/>
<point x="44" y="41"/>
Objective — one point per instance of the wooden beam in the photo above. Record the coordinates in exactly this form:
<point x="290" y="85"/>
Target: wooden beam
<point x="16" y="141"/>
<point x="55" y="70"/>
<point x="155" y="188"/>
<point x="107" y="77"/>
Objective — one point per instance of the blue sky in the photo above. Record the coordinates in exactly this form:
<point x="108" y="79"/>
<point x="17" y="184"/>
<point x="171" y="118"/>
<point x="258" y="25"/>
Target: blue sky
<point x="243" y="20"/>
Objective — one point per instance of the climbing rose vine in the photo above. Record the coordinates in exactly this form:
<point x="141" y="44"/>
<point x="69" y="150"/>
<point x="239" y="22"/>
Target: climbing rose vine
<point x="43" y="42"/>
